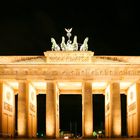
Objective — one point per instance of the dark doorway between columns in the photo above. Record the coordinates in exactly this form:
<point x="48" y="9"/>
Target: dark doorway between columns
<point x="124" y="114"/>
<point x="71" y="114"/>
<point x="98" y="112"/>
<point x="41" y="115"/>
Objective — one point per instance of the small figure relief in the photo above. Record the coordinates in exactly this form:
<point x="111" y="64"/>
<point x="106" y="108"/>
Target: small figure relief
<point x="63" y="44"/>
<point x="84" y="46"/>
<point x="55" y="47"/>
<point x="32" y="96"/>
<point x="8" y="96"/>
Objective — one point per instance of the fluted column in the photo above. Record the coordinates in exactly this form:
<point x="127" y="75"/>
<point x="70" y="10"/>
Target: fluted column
<point x="113" y="111"/>
<point x="87" y="111"/>
<point x="23" y="110"/>
<point x="51" y="110"/>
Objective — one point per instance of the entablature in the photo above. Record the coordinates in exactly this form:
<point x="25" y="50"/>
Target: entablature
<point x="89" y="72"/>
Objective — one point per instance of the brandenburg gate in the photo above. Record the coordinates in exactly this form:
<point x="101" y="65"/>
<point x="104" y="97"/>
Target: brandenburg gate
<point x="68" y="68"/>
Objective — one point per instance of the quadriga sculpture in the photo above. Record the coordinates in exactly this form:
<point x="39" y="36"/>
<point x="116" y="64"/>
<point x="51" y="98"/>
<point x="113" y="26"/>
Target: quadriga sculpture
<point x="84" y="46"/>
<point x="55" y="47"/>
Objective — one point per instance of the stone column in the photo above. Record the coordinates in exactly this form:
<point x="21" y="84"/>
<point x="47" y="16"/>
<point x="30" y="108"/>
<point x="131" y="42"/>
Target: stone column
<point x="32" y="111"/>
<point x="22" y="110"/>
<point x="133" y="110"/>
<point x="1" y="101"/>
<point x="51" y="110"/>
<point x="87" y="111"/>
<point x="113" y="110"/>
<point x="57" y="112"/>
<point x="138" y="107"/>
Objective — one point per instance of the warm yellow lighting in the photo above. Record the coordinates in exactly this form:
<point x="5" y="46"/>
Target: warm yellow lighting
<point x="8" y="95"/>
<point x="69" y="85"/>
<point x="50" y="127"/>
<point x="13" y="84"/>
<point x="99" y="85"/>
<point x="117" y="126"/>
<point x="32" y="94"/>
<point x="124" y="85"/>
<point x="21" y="125"/>
<point x="107" y="95"/>
<point x="39" y="85"/>
<point x="131" y="95"/>
<point x="88" y="128"/>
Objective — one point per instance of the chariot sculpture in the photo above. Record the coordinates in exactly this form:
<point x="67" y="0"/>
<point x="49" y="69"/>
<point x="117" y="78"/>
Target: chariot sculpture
<point x="69" y="45"/>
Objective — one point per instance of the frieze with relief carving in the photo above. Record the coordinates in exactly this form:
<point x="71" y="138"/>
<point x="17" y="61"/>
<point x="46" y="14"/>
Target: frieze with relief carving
<point x="70" y="71"/>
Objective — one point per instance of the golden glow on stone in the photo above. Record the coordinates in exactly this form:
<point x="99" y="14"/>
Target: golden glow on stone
<point x="125" y="85"/>
<point x="13" y="84"/>
<point x="69" y="85"/>
<point x="88" y="128"/>
<point x="131" y="95"/>
<point x="21" y="125"/>
<point x="99" y="85"/>
<point x="8" y="94"/>
<point x="50" y="126"/>
<point x="69" y="57"/>
<point x="39" y="85"/>
<point x="116" y="123"/>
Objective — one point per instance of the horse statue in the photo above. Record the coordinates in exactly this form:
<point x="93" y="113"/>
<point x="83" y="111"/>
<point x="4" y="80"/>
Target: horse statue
<point x="75" y="44"/>
<point x="63" y="44"/>
<point x="84" y="46"/>
<point x="55" y="47"/>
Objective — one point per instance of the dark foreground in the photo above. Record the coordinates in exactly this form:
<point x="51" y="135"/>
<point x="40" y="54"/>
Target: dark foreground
<point x="70" y="139"/>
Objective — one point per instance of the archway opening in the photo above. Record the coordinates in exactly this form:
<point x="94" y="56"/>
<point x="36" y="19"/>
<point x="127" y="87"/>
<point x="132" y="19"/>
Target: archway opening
<point x="41" y="115"/>
<point x="16" y="117"/>
<point x="123" y="115"/>
<point x="98" y="113"/>
<point x="70" y="115"/>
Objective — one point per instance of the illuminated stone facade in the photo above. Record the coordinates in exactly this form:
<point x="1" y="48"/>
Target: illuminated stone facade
<point x="62" y="72"/>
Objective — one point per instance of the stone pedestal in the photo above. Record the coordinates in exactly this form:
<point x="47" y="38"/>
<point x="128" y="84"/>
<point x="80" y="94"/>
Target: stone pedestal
<point x="51" y="110"/>
<point x="87" y="111"/>
<point x="112" y="111"/>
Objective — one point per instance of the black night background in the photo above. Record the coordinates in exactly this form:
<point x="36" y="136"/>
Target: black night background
<point x="112" y="27"/>
<point x="27" y="26"/>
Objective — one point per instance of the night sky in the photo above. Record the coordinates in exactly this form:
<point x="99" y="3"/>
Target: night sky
<point x="112" y="26"/>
